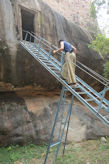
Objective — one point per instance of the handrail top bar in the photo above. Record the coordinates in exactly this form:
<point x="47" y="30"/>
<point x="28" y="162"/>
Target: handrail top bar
<point x="47" y="42"/>
<point x="106" y="85"/>
<point x="39" y="37"/>
<point x="93" y="72"/>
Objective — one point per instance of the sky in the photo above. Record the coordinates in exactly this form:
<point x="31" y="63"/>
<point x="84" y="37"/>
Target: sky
<point x="103" y="18"/>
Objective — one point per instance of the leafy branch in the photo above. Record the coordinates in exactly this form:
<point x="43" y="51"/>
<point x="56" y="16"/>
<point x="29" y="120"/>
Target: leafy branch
<point x="101" y="45"/>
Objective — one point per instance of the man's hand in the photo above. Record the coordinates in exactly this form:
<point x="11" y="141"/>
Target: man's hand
<point x="75" y="50"/>
<point x="54" y="51"/>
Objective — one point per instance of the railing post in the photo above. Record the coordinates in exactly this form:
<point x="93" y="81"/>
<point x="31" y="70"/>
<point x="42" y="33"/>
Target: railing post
<point x="62" y="57"/>
<point x="103" y="94"/>
<point x="62" y="60"/>
<point x="39" y="45"/>
<point x="26" y="36"/>
<point x="30" y="38"/>
<point x="50" y="51"/>
<point x="34" y="40"/>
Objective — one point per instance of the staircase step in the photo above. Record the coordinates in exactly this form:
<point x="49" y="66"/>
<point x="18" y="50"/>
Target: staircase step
<point x="89" y="99"/>
<point x="53" y="68"/>
<point x="82" y="93"/>
<point x="45" y="60"/>
<point x="48" y="64"/>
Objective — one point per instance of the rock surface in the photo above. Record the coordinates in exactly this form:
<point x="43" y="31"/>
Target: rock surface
<point x="17" y="67"/>
<point x="27" y="118"/>
<point x="30" y="119"/>
<point x="75" y="11"/>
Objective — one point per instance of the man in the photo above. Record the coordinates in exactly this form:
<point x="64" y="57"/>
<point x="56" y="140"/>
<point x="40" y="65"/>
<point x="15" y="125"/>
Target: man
<point x="68" y="68"/>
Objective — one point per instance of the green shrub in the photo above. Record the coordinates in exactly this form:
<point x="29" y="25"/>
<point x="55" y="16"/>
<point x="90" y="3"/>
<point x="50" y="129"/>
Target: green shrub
<point x="101" y="45"/>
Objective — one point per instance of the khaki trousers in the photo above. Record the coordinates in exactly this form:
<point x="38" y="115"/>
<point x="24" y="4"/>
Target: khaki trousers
<point x="68" y="68"/>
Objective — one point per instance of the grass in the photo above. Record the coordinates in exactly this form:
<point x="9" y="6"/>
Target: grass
<point x="89" y="152"/>
<point x="12" y="154"/>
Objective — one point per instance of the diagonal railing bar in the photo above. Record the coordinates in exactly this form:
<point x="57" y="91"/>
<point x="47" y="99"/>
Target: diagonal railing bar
<point x="101" y="78"/>
<point x="95" y="93"/>
<point x="93" y="72"/>
<point x="46" y="58"/>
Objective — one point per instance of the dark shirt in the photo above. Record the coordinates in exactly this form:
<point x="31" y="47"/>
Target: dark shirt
<point x="67" y="47"/>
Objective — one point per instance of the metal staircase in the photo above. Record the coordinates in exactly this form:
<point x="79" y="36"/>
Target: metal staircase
<point x="96" y="102"/>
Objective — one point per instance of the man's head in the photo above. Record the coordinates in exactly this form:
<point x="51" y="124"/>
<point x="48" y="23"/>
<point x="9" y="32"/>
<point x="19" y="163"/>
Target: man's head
<point x="60" y="41"/>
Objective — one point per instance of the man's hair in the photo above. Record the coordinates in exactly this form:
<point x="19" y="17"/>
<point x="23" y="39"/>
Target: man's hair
<point x="60" y="41"/>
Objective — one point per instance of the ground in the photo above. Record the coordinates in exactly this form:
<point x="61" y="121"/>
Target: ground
<point x="88" y="152"/>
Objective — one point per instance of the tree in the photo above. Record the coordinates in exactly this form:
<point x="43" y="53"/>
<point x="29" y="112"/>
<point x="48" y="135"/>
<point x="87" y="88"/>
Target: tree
<point x="93" y="11"/>
<point x="95" y="7"/>
<point x="101" y="45"/>
<point x="98" y="3"/>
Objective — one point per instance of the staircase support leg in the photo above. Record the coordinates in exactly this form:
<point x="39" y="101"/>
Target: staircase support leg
<point x="51" y="137"/>
<point x="68" y="123"/>
<point x="103" y="94"/>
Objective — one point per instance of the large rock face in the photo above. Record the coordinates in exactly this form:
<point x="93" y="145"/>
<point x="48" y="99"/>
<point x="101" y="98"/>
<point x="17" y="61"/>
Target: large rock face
<point x="75" y="11"/>
<point x="17" y="67"/>
<point x="28" y="119"/>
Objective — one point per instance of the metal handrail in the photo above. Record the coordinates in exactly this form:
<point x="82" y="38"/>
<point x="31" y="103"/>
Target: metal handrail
<point x="92" y="73"/>
<point x="50" y="45"/>
<point x="43" y="42"/>
<point x="95" y="73"/>
<point x="48" y="61"/>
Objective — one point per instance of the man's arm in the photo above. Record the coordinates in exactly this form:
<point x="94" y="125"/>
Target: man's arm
<point x="60" y="49"/>
<point x="75" y="50"/>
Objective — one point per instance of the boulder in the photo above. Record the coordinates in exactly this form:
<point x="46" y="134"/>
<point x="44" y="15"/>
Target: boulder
<point x="18" y="67"/>
<point x="24" y="120"/>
